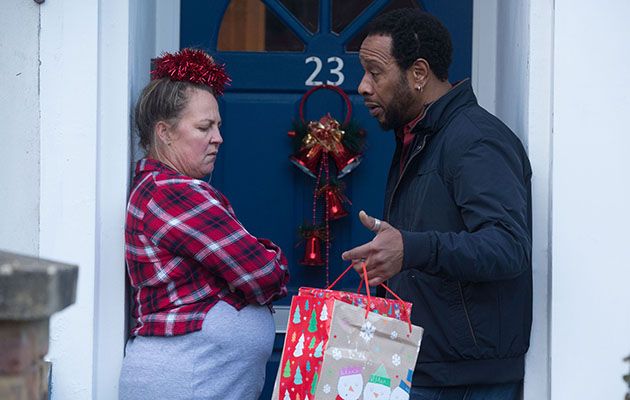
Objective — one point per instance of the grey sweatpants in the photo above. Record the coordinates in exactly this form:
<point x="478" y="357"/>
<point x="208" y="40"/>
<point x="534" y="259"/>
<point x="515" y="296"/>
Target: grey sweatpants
<point x="225" y="360"/>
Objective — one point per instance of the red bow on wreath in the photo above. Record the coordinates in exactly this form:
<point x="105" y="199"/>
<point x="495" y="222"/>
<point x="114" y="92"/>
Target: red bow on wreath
<point x="314" y="143"/>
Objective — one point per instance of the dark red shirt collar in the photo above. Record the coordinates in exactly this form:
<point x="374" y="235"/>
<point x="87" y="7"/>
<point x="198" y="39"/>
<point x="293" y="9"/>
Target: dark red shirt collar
<point x="407" y="136"/>
<point x="409" y="127"/>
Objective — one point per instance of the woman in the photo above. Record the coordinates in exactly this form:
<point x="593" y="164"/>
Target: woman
<point x="202" y="285"/>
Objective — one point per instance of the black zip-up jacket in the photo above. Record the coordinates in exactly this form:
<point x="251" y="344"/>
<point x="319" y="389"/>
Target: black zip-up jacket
<point x="463" y="206"/>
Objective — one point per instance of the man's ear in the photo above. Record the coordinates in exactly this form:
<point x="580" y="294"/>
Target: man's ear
<point x="420" y="71"/>
<point x="163" y="132"/>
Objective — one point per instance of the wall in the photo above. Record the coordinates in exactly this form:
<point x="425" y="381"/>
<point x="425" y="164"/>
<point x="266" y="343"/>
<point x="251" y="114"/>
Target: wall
<point x="19" y="131"/>
<point x="549" y="87"/>
<point x="69" y="56"/>
<point x="167" y="14"/>
<point x="154" y="29"/>
<point x="84" y="178"/>
<point x="591" y="102"/>
<point x="539" y="138"/>
<point x="142" y="50"/>
<point x="484" y="53"/>
<point x="112" y="177"/>
<point x="512" y="69"/>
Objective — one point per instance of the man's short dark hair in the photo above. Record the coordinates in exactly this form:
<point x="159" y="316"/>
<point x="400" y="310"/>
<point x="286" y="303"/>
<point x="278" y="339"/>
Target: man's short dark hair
<point x="416" y="34"/>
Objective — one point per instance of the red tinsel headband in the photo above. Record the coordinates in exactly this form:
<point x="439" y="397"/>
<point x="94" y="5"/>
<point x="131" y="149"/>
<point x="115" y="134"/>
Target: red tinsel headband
<point x="190" y="65"/>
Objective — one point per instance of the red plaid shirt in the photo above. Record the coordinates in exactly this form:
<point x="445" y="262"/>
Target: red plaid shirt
<point x="186" y="250"/>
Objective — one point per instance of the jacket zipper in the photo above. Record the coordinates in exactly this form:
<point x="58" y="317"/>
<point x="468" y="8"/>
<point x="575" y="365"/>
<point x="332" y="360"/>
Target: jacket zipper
<point x="417" y="151"/>
<point x="461" y="294"/>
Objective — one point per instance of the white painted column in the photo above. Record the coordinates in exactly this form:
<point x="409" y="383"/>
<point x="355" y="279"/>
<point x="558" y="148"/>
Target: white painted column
<point x="539" y="135"/>
<point x="69" y="124"/>
<point x="484" y="53"/>
<point x="512" y="67"/>
<point x="167" y="22"/>
<point x="19" y="130"/>
<point x="590" y="308"/>
<point x="142" y="49"/>
<point x="112" y="177"/>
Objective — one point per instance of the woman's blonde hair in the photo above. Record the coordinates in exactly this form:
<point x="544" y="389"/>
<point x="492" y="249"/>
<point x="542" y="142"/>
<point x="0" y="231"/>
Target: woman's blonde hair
<point x="162" y="100"/>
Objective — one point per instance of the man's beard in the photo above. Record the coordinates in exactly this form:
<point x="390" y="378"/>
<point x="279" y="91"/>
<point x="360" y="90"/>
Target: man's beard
<point x="394" y="116"/>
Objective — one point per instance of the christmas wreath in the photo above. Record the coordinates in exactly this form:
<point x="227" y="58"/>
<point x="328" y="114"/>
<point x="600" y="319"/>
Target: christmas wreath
<point x="314" y="144"/>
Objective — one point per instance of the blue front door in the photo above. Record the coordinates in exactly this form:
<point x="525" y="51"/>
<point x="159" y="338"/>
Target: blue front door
<point x="275" y="50"/>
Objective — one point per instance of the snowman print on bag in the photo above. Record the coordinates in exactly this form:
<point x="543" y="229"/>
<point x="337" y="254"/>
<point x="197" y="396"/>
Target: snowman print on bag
<point x="403" y="389"/>
<point x="350" y="383"/>
<point x="378" y="387"/>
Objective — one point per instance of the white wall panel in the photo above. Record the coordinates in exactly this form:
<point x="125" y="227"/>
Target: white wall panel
<point x="19" y="130"/>
<point x="112" y="177"/>
<point x="69" y="44"/>
<point x="591" y="193"/>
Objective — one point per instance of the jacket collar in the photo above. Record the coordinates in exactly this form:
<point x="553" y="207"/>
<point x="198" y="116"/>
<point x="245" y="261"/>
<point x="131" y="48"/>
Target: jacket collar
<point x="443" y="109"/>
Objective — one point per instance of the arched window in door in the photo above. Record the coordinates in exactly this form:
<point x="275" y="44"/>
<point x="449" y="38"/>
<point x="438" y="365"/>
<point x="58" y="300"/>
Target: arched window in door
<point x="249" y="26"/>
<point x="344" y="12"/>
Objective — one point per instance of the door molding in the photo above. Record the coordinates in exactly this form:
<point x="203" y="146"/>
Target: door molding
<point x="167" y="17"/>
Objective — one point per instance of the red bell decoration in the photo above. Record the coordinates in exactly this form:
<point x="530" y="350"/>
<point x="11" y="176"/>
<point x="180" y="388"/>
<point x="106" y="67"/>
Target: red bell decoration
<point x="345" y="161"/>
<point x="334" y="202"/>
<point x="313" y="251"/>
<point x="308" y="160"/>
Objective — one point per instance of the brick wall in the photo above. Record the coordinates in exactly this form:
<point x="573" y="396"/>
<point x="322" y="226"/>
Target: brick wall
<point x="31" y="290"/>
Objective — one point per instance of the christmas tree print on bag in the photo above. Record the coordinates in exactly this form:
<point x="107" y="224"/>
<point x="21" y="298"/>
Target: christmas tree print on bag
<point x="303" y="349"/>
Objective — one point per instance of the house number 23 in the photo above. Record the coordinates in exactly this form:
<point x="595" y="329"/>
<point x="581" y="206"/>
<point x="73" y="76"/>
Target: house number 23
<point x="335" y="62"/>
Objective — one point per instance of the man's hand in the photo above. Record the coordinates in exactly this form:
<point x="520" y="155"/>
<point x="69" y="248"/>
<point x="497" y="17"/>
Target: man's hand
<point x="383" y="255"/>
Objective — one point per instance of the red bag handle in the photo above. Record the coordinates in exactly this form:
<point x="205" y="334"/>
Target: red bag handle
<point x="337" y="89"/>
<point x="367" y="290"/>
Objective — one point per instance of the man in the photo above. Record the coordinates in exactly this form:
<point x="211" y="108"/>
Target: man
<point x="455" y="239"/>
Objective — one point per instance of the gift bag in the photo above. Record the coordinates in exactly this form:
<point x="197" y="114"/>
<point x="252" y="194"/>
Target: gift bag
<point x="308" y="330"/>
<point x="370" y="358"/>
